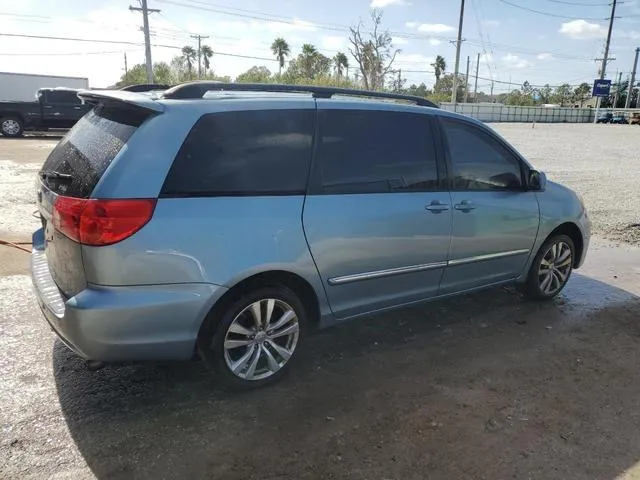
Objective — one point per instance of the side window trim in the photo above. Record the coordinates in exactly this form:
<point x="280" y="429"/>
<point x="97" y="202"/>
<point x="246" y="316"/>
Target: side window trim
<point x="449" y="163"/>
<point x="314" y="184"/>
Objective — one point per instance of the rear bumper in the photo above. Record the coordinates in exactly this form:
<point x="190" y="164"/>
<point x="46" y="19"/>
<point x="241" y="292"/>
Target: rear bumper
<point x="114" y="324"/>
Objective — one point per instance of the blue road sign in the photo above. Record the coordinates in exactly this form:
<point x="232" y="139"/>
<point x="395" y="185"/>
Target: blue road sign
<point x="601" y="88"/>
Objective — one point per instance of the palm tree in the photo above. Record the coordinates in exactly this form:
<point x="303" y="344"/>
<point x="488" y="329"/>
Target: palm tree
<point x="440" y="65"/>
<point x="309" y="54"/>
<point x="340" y="61"/>
<point x="280" y="49"/>
<point x="207" y="53"/>
<point x="189" y="56"/>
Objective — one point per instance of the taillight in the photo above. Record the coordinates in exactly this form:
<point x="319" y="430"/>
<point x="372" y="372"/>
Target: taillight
<point x="101" y="222"/>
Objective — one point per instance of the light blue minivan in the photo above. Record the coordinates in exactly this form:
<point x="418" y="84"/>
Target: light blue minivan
<point x="230" y="220"/>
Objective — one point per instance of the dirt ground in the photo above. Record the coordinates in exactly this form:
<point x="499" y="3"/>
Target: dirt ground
<point x="484" y="386"/>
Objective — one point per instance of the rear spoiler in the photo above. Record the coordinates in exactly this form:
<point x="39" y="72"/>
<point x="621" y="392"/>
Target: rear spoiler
<point x="140" y="100"/>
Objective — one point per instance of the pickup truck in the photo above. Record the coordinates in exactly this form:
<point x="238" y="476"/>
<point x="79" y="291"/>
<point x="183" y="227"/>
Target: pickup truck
<point x="53" y="108"/>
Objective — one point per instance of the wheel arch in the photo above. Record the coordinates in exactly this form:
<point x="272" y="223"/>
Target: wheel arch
<point x="12" y="114"/>
<point x="293" y="281"/>
<point x="572" y="231"/>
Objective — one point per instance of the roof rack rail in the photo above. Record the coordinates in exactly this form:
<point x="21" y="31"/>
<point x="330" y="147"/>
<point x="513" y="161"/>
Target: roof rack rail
<point x="198" y="89"/>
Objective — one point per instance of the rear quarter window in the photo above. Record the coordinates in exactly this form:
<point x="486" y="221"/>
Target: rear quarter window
<point x="78" y="162"/>
<point x="258" y="152"/>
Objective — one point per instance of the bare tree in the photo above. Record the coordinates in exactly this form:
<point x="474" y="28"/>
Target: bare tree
<point x="373" y="51"/>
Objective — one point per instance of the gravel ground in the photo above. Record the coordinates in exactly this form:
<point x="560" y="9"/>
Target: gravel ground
<point x="600" y="162"/>
<point x="482" y="386"/>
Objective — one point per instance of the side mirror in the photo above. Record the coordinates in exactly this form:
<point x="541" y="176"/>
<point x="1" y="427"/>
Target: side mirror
<point x="537" y="181"/>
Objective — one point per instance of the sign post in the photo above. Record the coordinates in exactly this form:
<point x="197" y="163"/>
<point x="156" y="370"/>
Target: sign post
<point x="601" y="88"/>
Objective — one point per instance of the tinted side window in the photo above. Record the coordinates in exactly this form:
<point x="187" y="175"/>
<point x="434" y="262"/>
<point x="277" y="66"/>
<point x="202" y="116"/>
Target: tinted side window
<point x="364" y="151"/>
<point x="62" y="96"/>
<point x="261" y="152"/>
<point x="480" y="162"/>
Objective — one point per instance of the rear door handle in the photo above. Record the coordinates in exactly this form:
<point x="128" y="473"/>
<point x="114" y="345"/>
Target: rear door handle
<point x="464" y="206"/>
<point x="437" y="207"/>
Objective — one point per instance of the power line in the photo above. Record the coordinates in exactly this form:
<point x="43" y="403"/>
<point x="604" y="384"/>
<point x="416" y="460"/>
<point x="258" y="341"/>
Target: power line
<point x="578" y="4"/>
<point x="123" y="42"/>
<point x="539" y="12"/>
<point x="259" y="16"/>
<point x="53" y="54"/>
<point x="7" y="14"/>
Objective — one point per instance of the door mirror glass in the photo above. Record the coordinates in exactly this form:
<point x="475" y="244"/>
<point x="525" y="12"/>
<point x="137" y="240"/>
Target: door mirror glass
<point x="537" y="180"/>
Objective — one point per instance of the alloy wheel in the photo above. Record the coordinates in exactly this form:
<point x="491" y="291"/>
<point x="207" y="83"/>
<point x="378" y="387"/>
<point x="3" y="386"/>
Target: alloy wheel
<point x="261" y="339"/>
<point x="555" y="268"/>
<point x="10" y="127"/>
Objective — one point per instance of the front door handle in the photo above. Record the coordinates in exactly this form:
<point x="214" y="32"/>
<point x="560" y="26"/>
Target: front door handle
<point x="465" y="206"/>
<point x="437" y="207"/>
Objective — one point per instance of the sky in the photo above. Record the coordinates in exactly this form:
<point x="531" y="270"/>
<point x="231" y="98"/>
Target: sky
<point x="515" y="41"/>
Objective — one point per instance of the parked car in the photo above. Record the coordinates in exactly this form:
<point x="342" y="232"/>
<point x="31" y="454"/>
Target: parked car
<point x="619" y="118"/>
<point x="635" y="118"/>
<point x="233" y="225"/>
<point x="605" y="118"/>
<point x="54" y="108"/>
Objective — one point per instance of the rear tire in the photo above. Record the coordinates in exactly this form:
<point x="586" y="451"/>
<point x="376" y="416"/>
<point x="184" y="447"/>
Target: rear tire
<point x="253" y="340"/>
<point x="551" y="268"/>
<point x="11" y="127"/>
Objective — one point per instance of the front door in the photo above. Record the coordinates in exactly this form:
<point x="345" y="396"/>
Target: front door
<point x="377" y="218"/>
<point x="495" y="219"/>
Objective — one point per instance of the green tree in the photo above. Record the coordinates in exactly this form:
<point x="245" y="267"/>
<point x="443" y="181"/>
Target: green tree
<point x="439" y="66"/>
<point x="340" y="62"/>
<point x="189" y="55"/>
<point x="562" y="94"/>
<point x="444" y="87"/>
<point x="162" y="73"/>
<point x="309" y="64"/>
<point x="544" y="94"/>
<point x="255" y="75"/>
<point x="418" y="90"/>
<point x="280" y="49"/>
<point x="207" y="52"/>
<point x="581" y="93"/>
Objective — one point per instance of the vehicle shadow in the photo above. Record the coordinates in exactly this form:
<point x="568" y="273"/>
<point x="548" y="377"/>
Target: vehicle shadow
<point x="480" y="386"/>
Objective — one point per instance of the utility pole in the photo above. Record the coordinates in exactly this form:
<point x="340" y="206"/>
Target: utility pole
<point x="627" y="104"/>
<point x="199" y="37"/>
<point x="466" y="82"/>
<point x="475" y="86"/>
<point x="399" y="87"/>
<point x="605" y="59"/>
<point x="126" y="68"/>
<point x="491" y="91"/>
<point x="454" y="93"/>
<point x="615" y="98"/>
<point x="147" y="41"/>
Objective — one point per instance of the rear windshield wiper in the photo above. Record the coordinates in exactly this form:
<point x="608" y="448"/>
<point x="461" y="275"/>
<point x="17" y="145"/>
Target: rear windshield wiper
<point x="56" y="175"/>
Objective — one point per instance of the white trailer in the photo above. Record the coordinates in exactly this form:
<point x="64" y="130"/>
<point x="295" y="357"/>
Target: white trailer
<point x="22" y="87"/>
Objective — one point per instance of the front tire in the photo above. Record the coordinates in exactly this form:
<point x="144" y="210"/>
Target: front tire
<point x="252" y="342"/>
<point x="11" y="127"/>
<point x="551" y="268"/>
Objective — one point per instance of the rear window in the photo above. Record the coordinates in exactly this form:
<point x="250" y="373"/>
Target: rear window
<point x="258" y="152"/>
<point x="75" y="166"/>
